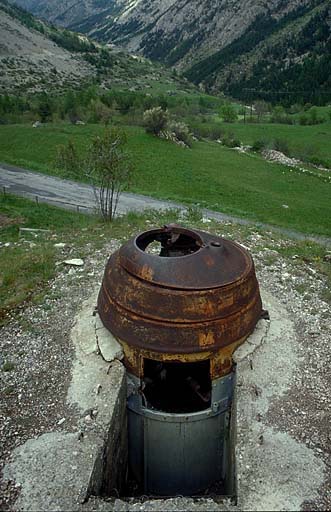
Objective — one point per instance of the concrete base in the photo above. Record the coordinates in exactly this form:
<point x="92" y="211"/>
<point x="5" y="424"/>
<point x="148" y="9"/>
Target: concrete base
<point x="275" y="472"/>
<point x="60" y="470"/>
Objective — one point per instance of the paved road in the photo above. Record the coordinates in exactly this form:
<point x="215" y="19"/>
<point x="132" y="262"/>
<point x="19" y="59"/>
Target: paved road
<point x="73" y="195"/>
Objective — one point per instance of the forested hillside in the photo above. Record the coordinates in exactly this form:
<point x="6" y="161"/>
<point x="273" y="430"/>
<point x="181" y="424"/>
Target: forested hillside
<point x="285" y="60"/>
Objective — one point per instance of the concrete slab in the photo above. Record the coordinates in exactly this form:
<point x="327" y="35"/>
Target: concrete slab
<point x="109" y="347"/>
<point x="53" y="471"/>
<point x="83" y="331"/>
<point x="275" y="471"/>
<point x="60" y="470"/>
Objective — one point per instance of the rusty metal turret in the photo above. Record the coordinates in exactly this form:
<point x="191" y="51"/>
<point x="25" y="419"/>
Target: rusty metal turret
<point x="197" y="298"/>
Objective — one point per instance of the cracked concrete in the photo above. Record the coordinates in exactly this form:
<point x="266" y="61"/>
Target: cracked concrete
<point x="91" y="337"/>
<point x="59" y="470"/>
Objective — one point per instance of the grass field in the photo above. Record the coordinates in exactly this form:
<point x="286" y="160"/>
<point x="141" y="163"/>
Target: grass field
<point x="27" y="265"/>
<point x="303" y="142"/>
<point x="209" y="174"/>
<point x="29" y="260"/>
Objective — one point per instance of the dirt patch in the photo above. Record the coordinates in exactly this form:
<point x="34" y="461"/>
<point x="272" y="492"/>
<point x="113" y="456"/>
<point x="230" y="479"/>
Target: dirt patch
<point x="9" y="221"/>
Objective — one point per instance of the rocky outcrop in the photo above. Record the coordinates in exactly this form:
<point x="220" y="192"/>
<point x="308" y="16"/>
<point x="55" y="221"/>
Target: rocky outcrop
<point x="31" y="61"/>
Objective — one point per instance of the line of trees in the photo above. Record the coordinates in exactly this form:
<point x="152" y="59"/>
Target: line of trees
<point x="92" y="104"/>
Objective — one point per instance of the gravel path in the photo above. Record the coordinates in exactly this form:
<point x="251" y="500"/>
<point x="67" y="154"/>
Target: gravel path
<point x="36" y="344"/>
<point x="73" y="195"/>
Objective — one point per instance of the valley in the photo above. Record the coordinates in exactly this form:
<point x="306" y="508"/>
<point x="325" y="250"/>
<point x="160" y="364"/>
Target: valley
<point x="122" y="116"/>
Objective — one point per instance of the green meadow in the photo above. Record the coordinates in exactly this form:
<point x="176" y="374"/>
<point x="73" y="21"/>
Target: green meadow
<point x="209" y="175"/>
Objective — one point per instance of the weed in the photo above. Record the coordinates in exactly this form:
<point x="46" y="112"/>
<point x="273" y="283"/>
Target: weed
<point x="281" y="145"/>
<point x="260" y="145"/>
<point x="8" y="390"/>
<point x="8" y="366"/>
<point x="193" y="213"/>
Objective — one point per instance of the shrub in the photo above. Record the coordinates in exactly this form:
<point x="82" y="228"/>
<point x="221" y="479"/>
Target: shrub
<point x="281" y="146"/>
<point x="215" y="132"/>
<point x="228" y="113"/>
<point x="68" y="159"/>
<point x="260" y="145"/>
<point x="314" y="119"/>
<point x="181" y="131"/>
<point x="303" y="120"/>
<point x="194" y="213"/>
<point x="320" y="162"/>
<point x="230" y="141"/>
<point x="155" y="120"/>
<point x="109" y="170"/>
<point x="295" y="108"/>
<point x="100" y="113"/>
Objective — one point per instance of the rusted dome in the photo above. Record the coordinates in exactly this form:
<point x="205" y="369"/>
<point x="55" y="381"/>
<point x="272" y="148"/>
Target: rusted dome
<point x="198" y="292"/>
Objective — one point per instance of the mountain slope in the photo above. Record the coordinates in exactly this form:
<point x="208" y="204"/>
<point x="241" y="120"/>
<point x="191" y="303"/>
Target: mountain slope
<point x="36" y="56"/>
<point x="230" y="45"/>
<point x="290" y="58"/>
<point x="187" y="29"/>
<point x="30" y="57"/>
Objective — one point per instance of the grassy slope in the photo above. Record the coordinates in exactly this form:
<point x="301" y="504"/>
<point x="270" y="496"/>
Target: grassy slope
<point x="29" y="261"/>
<point x="26" y="269"/>
<point x="316" y="139"/>
<point x="209" y="174"/>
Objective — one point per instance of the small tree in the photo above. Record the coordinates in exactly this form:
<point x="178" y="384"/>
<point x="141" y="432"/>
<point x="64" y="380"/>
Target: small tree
<point x="261" y="108"/>
<point x="109" y="170"/>
<point x="68" y="159"/>
<point x="155" y="120"/>
<point x="278" y="114"/>
<point x="228" y="113"/>
<point x="44" y="109"/>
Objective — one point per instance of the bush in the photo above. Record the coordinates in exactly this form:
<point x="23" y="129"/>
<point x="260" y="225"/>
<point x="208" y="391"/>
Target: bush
<point x="281" y="146"/>
<point x="320" y="162"/>
<point x="68" y="159"/>
<point x="295" y="108"/>
<point x="260" y="145"/>
<point x="109" y="170"/>
<point x="100" y="113"/>
<point x="181" y="131"/>
<point x="194" y="213"/>
<point x="230" y="141"/>
<point x="228" y="113"/>
<point x="215" y="132"/>
<point x="311" y="118"/>
<point x="206" y="131"/>
<point x="314" y="119"/>
<point x="155" y="120"/>
<point x="303" y="120"/>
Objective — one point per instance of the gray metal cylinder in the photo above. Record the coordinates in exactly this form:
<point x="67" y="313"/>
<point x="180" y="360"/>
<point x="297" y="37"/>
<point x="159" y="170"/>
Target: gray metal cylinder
<point x="180" y="454"/>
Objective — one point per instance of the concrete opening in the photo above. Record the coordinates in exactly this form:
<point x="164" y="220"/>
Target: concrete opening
<point x="181" y="431"/>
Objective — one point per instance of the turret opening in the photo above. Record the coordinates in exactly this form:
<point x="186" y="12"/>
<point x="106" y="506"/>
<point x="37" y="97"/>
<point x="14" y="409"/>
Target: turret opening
<point x="169" y="243"/>
<point x="177" y="387"/>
